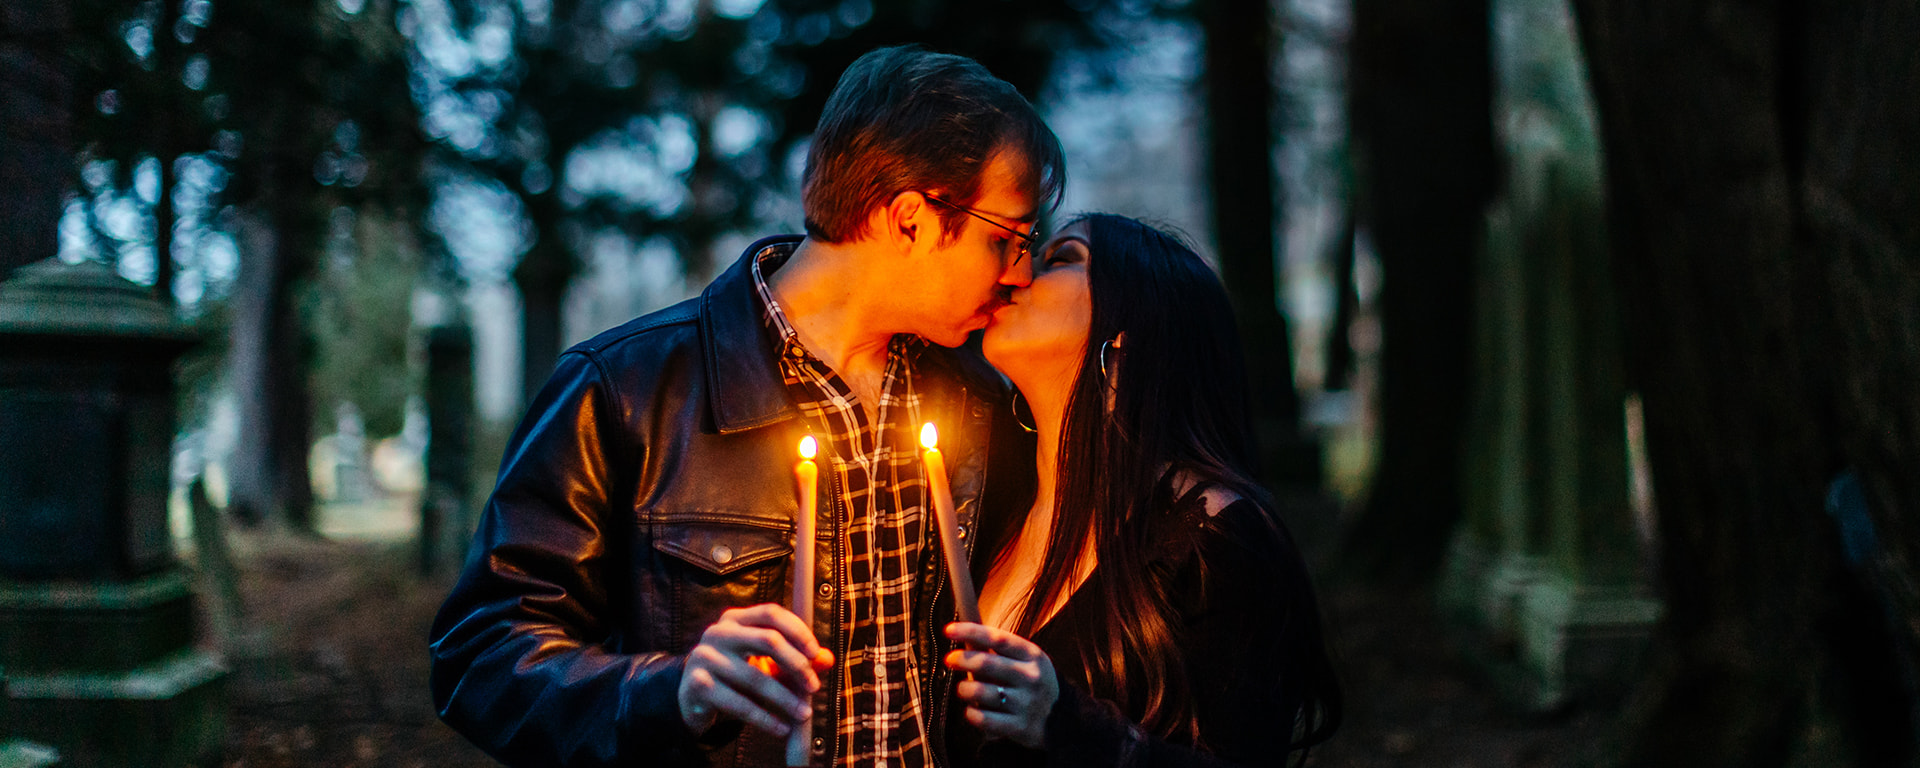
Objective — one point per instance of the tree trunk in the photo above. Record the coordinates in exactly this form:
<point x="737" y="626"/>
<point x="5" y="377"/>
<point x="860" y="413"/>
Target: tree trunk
<point x="36" y="128"/>
<point x="163" y="135"/>
<point x="1240" y="140"/>
<point x="1763" y="189"/>
<point x="1861" y="192"/>
<point x="250" y="495"/>
<point x="1340" y="355"/>
<point x="290" y="357"/>
<point x="542" y="278"/>
<point x="1422" y="122"/>
<point x="269" y="362"/>
<point x="163" y="219"/>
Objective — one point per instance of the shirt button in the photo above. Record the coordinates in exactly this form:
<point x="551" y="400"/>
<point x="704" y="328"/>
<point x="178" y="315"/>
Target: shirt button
<point x="879" y="671"/>
<point x="722" y="554"/>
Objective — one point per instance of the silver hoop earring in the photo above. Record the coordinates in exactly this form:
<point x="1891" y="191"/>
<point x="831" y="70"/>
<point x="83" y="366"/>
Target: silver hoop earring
<point x="1014" y="406"/>
<point x="1104" y="346"/>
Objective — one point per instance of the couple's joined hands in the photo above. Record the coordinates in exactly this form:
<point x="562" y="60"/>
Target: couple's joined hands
<point x="761" y="665"/>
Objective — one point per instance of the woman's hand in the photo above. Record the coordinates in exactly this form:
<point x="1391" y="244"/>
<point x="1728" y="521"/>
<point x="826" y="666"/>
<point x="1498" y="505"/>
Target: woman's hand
<point x="1013" y="687"/>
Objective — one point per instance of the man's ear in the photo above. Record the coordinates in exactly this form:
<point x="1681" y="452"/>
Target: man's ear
<point x="904" y="221"/>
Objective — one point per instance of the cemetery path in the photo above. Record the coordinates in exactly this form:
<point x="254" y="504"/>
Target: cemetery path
<point x="332" y="668"/>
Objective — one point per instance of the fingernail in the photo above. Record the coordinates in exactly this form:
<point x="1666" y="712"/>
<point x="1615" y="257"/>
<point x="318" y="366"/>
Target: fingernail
<point x="803" y="712"/>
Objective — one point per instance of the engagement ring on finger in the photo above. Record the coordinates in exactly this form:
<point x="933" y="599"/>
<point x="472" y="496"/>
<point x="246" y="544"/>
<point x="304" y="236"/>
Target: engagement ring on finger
<point x="1003" y="698"/>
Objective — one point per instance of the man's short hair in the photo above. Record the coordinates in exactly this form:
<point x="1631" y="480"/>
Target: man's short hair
<point x="908" y="119"/>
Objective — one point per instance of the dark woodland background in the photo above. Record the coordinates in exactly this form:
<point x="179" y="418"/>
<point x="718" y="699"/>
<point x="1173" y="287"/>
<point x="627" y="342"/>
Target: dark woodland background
<point x="1586" y="337"/>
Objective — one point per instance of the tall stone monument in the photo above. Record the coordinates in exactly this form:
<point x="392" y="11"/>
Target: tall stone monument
<point x="96" y="613"/>
<point x="1548" y="572"/>
<point x="446" y="511"/>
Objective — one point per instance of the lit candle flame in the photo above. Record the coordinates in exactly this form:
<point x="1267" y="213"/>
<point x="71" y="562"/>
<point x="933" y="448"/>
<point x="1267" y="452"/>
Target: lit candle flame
<point x="807" y="446"/>
<point x="928" y="436"/>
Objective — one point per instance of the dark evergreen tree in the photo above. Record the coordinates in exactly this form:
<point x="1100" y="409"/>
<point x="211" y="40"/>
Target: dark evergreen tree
<point x="313" y="102"/>
<point x="1240" y="141"/>
<point x="1425" y="170"/>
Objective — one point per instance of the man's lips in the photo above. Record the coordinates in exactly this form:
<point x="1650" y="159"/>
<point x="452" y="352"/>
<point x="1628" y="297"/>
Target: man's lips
<point x="1001" y="300"/>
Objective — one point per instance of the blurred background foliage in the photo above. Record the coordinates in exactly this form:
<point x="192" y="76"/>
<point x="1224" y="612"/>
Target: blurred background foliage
<point x="1598" y="340"/>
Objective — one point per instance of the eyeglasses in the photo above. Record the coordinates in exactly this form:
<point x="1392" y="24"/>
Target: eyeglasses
<point x="1025" y="239"/>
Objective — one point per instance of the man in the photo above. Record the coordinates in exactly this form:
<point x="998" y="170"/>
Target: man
<point x="635" y="554"/>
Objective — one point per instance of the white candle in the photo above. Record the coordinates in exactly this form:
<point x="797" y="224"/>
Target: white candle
<point x="806" y="477"/>
<point x="966" y="602"/>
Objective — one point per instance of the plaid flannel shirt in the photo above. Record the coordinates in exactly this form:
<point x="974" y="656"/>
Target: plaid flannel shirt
<point x="879" y="480"/>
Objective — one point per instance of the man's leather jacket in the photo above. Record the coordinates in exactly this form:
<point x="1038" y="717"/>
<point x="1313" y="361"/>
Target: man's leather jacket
<point x="648" y="489"/>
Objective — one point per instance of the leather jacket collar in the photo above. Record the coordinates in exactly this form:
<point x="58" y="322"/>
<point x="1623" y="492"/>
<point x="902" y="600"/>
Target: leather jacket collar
<point x="748" y="391"/>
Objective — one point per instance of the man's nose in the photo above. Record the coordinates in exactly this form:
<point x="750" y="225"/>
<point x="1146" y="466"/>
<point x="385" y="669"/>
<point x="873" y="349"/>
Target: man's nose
<point x="1020" y="274"/>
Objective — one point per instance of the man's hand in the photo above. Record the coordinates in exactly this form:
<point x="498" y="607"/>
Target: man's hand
<point x="1013" y="686"/>
<point x="723" y="678"/>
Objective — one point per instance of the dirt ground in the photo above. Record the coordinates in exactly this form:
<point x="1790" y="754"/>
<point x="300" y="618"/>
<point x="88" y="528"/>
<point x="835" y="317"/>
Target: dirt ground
<point x="331" y="668"/>
<point x="332" y="671"/>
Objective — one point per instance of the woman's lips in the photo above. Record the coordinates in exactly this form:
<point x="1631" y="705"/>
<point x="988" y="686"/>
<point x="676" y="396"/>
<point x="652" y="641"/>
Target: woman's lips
<point x="994" y="316"/>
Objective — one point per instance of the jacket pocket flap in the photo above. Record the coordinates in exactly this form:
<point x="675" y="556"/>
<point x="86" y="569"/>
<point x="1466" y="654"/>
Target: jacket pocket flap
<point x="722" y="548"/>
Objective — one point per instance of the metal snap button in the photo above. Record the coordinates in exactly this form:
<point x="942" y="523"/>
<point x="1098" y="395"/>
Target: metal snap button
<point x="722" y="554"/>
<point x="826" y="589"/>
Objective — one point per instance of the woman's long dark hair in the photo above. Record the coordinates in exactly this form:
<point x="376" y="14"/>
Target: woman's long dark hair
<point x="1180" y="404"/>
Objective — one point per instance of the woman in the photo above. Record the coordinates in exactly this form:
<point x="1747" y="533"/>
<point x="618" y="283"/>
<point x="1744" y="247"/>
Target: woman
<point x="1170" y="614"/>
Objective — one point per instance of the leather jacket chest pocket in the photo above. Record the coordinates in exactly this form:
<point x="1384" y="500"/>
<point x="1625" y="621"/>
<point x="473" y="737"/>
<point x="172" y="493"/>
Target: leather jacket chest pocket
<point x="711" y="564"/>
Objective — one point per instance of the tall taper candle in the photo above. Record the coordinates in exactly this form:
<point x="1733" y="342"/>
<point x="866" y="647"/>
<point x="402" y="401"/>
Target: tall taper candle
<point x="806" y="477"/>
<point x="966" y="602"/>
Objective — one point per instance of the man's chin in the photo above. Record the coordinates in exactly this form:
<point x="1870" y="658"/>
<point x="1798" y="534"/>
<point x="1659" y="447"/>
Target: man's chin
<point x="958" y="337"/>
<point x="948" y="340"/>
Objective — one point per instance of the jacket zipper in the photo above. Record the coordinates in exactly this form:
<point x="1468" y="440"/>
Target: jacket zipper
<point x="841" y="639"/>
<point x="938" y="705"/>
